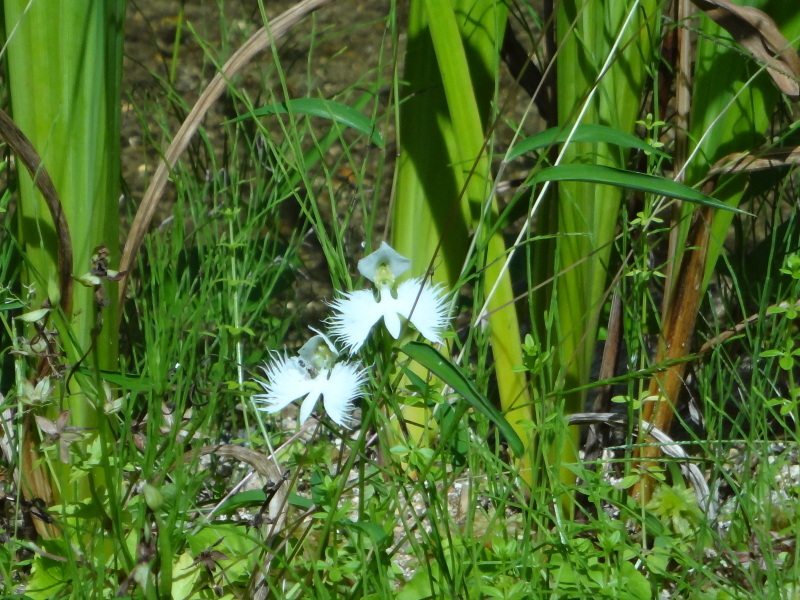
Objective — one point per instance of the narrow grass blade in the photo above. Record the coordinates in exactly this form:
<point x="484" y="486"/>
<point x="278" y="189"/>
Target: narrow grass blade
<point x="327" y="109"/>
<point x="600" y="174"/>
<point x="587" y="132"/>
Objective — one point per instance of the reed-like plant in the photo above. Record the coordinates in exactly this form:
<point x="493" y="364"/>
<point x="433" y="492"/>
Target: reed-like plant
<point x="445" y="189"/>
<point x="64" y="76"/>
<point x="604" y="53"/>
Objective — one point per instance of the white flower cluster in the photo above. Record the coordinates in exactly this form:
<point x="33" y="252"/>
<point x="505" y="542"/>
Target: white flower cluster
<point x="317" y="371"/>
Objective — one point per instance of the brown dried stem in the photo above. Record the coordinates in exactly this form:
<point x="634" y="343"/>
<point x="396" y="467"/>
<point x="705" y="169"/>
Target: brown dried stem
<point x="678" y="328"/>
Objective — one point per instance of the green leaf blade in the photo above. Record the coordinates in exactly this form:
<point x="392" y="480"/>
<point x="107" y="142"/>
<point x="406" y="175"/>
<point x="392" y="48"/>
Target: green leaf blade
<point x="437" y="364"/>
<point x="326" y="109"/>
<point x="600" y="174"/>
<point x="588" y="132"/>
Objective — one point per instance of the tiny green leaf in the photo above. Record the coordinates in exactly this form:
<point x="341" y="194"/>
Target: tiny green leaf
<point x="34" y="315"/>
<point x="248" y="499"/>
<point x="11" y="304"/>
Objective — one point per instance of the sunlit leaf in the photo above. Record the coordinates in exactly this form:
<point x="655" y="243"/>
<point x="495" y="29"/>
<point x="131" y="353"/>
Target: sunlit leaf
<point x="34" y="315"/>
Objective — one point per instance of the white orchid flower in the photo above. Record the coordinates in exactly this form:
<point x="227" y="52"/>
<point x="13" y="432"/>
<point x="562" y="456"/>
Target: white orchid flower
<point x="312" y="374"/>
<point x="414" y="301"/>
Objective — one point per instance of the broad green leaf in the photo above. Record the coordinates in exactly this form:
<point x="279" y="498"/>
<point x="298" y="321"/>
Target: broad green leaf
<point x="327" y="109"/>
<point x="185" y="579"/>
<point x="633" y="582"/>
<point x="34" y="315"/>
<point x="437" y="364"/>
<point x="415" y="380"/>
<point x="628" y="179"/>
<point x="376" y="533"/>
<point x="46" y="580"/>
<point x="231" y="540"/>
<point x="300" y="502"/>
<point x="583" y="133"/>
<point x="447" y="418"/>
<point x="421" y="585"/>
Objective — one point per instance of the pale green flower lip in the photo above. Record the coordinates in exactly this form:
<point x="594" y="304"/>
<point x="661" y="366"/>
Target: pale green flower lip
<point x="309" y="376"/>
<point x="318" y="353"/>
<point x="384" y="266"/>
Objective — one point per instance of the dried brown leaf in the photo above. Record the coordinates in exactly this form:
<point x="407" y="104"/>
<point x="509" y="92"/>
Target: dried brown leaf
<point x="46" y="425"/>
<point x="744" y="162"/>
<point x="758" y="34"/>
<point x="29" y="158"/>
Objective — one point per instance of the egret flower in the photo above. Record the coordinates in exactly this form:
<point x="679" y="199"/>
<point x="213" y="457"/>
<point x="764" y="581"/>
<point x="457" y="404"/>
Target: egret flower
<point x="414" y="301"/>
<point x="312" y="374"/>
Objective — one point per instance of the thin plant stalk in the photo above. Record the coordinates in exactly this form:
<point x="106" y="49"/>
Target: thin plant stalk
<point x="732" y="119"/>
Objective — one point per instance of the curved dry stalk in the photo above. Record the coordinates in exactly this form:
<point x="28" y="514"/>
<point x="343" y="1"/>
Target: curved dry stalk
<point x="258" y="42"/>
<point x="30" y="159"/>
<point x="277" y="499"/>
<point x="33" y="481"/>
<point x="742" y="325"/>
<point x="747" y="162"/>
<point x="263" y="465"/>
<point x="36" y="481"/>
<point x="667" y="445"/>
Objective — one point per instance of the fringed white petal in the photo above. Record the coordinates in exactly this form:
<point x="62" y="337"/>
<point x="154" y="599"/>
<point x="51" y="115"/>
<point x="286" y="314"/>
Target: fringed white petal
<point x="355" y="315"/>
<point x="425" y="308"/>
<point x="420" y="303"/>
<point x="343" y="385"/>
<point x="286" y="381"/>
